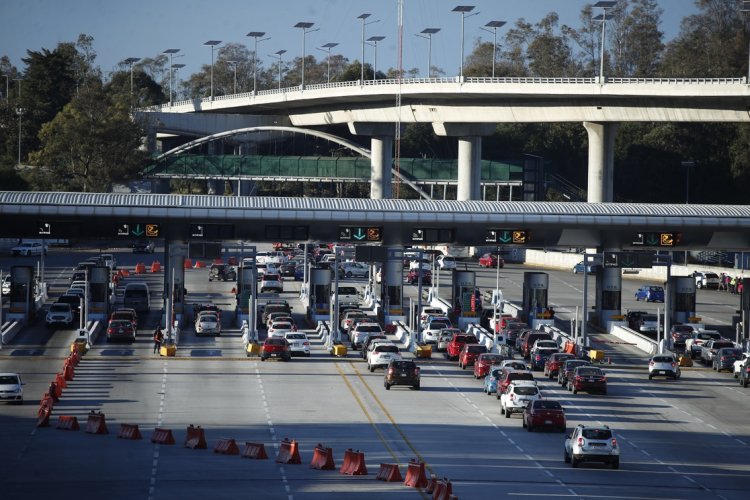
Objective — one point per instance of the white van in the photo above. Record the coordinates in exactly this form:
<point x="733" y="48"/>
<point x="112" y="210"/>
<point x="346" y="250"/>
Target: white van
<point x="137" y="296"/>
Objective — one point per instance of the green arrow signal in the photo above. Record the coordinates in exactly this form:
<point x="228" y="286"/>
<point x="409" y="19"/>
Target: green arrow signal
<point x="359" y="235"/>
<point x="651" y="239"/>
<point x="138" y="231"/>
<point x="505" y="237"/>
<point x="627" y="261"/>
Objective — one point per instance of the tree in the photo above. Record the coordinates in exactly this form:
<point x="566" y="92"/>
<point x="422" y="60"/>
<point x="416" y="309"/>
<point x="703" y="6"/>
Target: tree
<point x="637" y="39"/>
<point x="92" y="143"/>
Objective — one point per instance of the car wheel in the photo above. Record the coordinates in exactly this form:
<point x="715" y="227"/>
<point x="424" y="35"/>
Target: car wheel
<point x="371" y="368"/>
<point x="575" y="391"/>
<point x="497" y="396"/>
<point x="261" y="358"/>
<point x="417" y="387"/>
<point x="744" y="383"/>
<point x="566" y="457"/>
<point x="604" y="392"/>
<point x="387" y="386"/>
<point x="574" y="462"/>
<point x="650" y="376"/>
<point x="616" y="463"/>
<point x="523" y="423"/>
<point x="507" y="413"/>
<point x="530" y="428"/>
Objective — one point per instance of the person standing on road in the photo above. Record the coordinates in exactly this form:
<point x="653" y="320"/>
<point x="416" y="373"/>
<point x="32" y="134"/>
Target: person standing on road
<point x="158" y="339"/>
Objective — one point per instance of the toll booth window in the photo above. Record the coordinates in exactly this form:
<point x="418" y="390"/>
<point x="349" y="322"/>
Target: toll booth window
<point x="322" y="294"/>
<point x="539" y="297"/>
<point x="611" y="300"/>
<point x="684" y="302"/>
<point x="394" y="295"/>
<point x="18" y="292"/>
<point x="98" y="291"/>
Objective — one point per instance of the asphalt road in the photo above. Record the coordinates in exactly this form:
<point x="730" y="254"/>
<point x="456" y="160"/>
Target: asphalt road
<point x="679" y="439"/>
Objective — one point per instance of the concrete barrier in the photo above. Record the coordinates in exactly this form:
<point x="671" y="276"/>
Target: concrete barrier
<point x="643" y="343"/>
<point x="9" y="331"/>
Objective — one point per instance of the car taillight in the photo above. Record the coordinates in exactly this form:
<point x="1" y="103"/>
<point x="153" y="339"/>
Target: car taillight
<point x="416" y="371"/>
<point x="650" y="363"/>
<point x="578" y="378"/>
<point x="580" y="441"/>
<point x="391" y="371"/>
<point x="614" y="443"/>
<point x="673" y="365"/>
<point x="538" y="357"/>
<point x="306" y="343"/>
<point x="512" y="396"/>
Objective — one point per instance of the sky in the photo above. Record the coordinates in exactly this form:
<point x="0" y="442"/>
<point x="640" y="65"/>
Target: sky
<point x="140" y="28"/>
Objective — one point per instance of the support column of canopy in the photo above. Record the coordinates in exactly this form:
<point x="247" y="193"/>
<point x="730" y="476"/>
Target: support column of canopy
<point x="469" y="155"/>
<point x="601" y="161"/>
<point x="381" y="156"/>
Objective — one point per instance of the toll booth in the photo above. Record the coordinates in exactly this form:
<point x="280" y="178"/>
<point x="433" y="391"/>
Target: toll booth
<point x="535" y="296"/>
<point x="319" y="299"/>
<point x="681" y="301"/>
<point x="608" y="294"/>
<point x="246" y="293"/>
<point x="21" y="306"/>
<point x="466" y="302"/>
<point x="392" y="287"/>
<point x="98" y="291"/>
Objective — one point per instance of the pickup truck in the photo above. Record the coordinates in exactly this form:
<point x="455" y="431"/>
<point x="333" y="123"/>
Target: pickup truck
<point x="693" y="344"/>
<point x="709" y="348"/>
<point x="453" y="350"/>
<point x="740" y="364"/>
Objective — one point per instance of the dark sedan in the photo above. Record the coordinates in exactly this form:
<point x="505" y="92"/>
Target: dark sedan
<point x="725" y="358"/>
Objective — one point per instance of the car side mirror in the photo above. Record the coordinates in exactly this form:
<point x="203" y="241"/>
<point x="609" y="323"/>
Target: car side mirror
<point x="568" y="436"/>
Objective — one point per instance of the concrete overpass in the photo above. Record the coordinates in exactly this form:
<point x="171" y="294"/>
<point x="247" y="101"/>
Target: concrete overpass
<point x="470" y="108"/>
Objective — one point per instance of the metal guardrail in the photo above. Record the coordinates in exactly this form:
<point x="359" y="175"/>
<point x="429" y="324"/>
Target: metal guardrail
<point x="198" y="102"/>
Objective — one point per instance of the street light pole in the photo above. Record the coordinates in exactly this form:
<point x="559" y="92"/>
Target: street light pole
<point x="130" y="61"/>
<point x="746" y="10"/>
<point x="278" y="54"/>
<point x="256" y="35"/>
<point x="234" y="63"/>
<point x="327" y="48"/>
<point x="20" y="110"/>
<point x="494" y="25"/>
<point x="212" y="44"/>
<point x="305" y="26"/>
<point x="375" y="40"/>
<point x="176" y="68"/>
<point x="171" y="52"/>
<point x="463" y="9"/>
<point x="427" y="33"/>
<point x="604" y="5"/>
<point x="363" y="18"/>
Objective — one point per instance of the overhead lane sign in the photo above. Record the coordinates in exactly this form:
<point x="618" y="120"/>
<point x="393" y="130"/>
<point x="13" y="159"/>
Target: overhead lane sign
<point x="138" y="230"/>
<point x="432" y="235"/>
<point x="508" y="236"/>
<point x="360" y="233"/>
<point x="657" y="239"/>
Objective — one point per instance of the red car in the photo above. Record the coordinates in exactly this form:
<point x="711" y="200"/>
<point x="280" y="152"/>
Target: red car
<point x="589" y="379"/>
<point x="276" y="347"/>
<point x="491" y="260"/>
<point x="469" y="354"/>
<point x="544" y="413"/>
<point x="509" y="375"/>
<point x="453" y="350"/>
<point x="413" y="277"/>
<point x="120" y="329"/>
<point x="554" y="362"/>
<point x="484" y="362"/>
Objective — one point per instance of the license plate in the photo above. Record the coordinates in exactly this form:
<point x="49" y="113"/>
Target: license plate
<point x="592" y="380"/>
<point x="548" y="422"/>
<point x="273" y="354"/>
<point x="402" y="374"/>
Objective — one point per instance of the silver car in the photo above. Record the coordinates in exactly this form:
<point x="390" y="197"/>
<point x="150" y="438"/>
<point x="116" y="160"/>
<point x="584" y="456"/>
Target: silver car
<point x="11" y="388"/>
<point x="664" y="364"/>
<point x="444" y="338"/>
<point x="592" y="444"/>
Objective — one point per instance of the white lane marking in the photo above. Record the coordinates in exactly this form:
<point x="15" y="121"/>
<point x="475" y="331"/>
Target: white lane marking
<point x="159" y="422"/>
<point x="272" y="431"/>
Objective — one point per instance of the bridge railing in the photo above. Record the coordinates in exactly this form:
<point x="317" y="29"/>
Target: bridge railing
<point x="455" y="80"/>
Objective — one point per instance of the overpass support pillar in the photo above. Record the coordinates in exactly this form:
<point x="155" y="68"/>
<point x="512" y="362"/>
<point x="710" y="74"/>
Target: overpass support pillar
<point x="601" y="161"/>
<point x="469" y="155"/>
<point x="381" y="159"/>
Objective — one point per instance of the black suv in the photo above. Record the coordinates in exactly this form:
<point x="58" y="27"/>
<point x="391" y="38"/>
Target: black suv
<point x="222" y="272"/>
<point x="401" y="372"/>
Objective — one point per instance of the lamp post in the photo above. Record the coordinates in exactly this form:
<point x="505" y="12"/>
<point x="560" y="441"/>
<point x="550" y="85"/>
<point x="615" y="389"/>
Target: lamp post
<point x="688" y="165"/>
<point x="278" y="55"/>
<point x="130" y="61"/>
<point x="494" y="25"/>
<point x="19" y="111"/>
<point x="212" y="44"/>
<point x="427" y="33"/>
<point x="375" y="40"/>
<point x="746" y="11"/>
<point x="256" y="35"/>
<point x="604" y="5"/>
<point x="171" y="52"/>
<point x="363" y="18"/>
<point x="176" y="67"/>
<point x="463" y="9"/>
<point x="234" y="63"/>
<point x="305" y="27"/>
<point x="327" y="48"/>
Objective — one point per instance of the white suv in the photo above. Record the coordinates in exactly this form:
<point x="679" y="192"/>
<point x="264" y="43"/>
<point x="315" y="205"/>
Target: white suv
<point x="706" y="279"/>
<point x="382" y="354"/>
<point x="431" y="331"/>
<point x="59" y="314"/>
<point x="592" y="444"/>
<point x="517" y="397"/>
<point x="363" y="330"/>
<point x="663" y="364"/>
<point x="11" y="388"/>
<point x="271" y="283"/>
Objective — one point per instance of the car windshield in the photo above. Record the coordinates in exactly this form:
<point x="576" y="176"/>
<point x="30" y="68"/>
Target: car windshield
<point x="477" y="348"/>
<point x="656" y="289"/>
<point x="275" y="341"/>
<point x="731" y="352"/>
<point x="589" y="372"/>
<point x="368" y="328"/>
<point x="403" y="365"/>
<point x="520" y="376"/>
<point x="59" y="308"/>
<point x="387" y="348"/>
<point x="296" y="336"/>
<point x="437" y="325"/>
<point x="597" y="433"/>
<point x="663" y="359"/>
<point x="517" y="365"/>
<point x="526" y="390"/>
<point x="492" y="358"/>
<point x="547" y="405"/>
<point x="708" y="336"/>
<point x="8" y="379"/>
<point x="571" y="365"/>
<point x="648" y="317"/>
